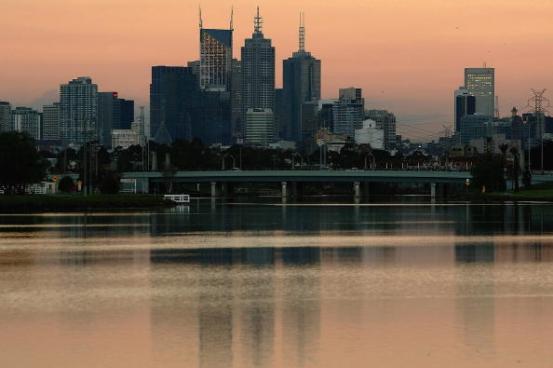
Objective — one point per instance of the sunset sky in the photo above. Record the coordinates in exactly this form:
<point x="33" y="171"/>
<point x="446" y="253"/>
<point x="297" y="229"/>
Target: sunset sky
<point x="407" y="55"/>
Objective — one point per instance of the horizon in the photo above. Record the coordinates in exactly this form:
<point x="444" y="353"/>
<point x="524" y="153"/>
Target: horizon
<point x="119" y="55"/>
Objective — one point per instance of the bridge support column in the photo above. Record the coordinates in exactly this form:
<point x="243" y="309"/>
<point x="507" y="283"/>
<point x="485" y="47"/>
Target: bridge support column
<point x="283" y="189"/>
<point x="213" y="189"/>
<point x="433" y="191"/>
<point x="356" y="190"/>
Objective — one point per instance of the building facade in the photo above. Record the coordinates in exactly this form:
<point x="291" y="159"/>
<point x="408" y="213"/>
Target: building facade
<point x="465" y="104"/>
<point x="348" y="111"/>
<point x="5" y="116"/>
<point x="113" y="113"/>
<point x="370" y="134"/>
<point x="172" y="90"/>
<point x="78" y="108"/>
<point x="301" y="83"/>
<point x="386" y="121"/>
<point x="27" y="120"/>
<point x="215" y="66"/>
<point x="259" y="127"/>
<point x="480" y="82"/>
<point x="51" y="122"/>
<point x="258" y="71"/>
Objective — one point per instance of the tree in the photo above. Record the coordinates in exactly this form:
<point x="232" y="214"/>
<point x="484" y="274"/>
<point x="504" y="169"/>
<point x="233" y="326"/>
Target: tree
<point x="488" y="173"/>
<point x="20" y="162"/>
<point x="109" y="183"/>
<point x="66" y="185"/>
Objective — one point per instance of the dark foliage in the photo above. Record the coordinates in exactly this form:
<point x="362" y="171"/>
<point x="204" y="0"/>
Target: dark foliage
<point x="20" y="162"/>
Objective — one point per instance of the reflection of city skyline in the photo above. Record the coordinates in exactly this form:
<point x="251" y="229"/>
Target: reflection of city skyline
<point x="181" y="302"/>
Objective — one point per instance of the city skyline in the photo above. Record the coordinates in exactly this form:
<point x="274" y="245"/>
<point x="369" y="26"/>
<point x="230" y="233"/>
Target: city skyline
<point x="417" y="92"/>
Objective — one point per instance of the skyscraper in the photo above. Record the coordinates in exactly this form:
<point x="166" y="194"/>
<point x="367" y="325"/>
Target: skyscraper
<point x="301" y="83"/>
<point x="78" y="111"/>
<point x="172" y="88"/>
<point x="480" y="82"/>
<point x="26" y="120"/>
<point x="347" y="112"/>
<point x="215" y="58"/>
<point x="465" y="104"/>
<point x="107" y="116"/>
<point x="258" y="71"/>
<point x="51" y="122"/>
<point x="5" y="116"/>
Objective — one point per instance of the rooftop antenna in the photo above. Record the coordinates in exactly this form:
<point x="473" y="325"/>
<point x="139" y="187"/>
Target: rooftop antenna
<point x="232" y="18"/>
<point x="201" y="21"/>
<point x="258" y="22"/>
<point x="302" y="32"/>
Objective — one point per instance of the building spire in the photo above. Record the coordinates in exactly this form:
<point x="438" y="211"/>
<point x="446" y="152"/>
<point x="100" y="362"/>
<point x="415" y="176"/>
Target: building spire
<point x="200" y="14"/>
<point x="257" y="22"/>
<point x="232" y="18"/>
<point x="302" y="33"/>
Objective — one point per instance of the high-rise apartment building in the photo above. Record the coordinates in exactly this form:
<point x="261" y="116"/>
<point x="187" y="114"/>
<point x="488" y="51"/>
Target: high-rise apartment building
<point x="51" y="122"/>
<point x="5" y="116"/>
<point x="348" y="111"/>
<point x="480" y="82"/>
<point x="27" y="120"/>
<point x="301" y="83"/>
<point x="465" y="104"/>
<point x="78" y="99"/>
<point x="258" y="71"/>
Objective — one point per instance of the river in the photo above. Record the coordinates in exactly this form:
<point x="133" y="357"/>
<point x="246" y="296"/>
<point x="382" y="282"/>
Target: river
<point x="279" y="285"/>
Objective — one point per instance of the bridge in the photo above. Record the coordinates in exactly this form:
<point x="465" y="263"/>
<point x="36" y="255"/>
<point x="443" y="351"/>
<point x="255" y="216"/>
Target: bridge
<point x="219" y="179"/>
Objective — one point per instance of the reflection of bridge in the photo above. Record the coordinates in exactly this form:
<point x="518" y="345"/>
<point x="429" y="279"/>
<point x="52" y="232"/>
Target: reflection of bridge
<point x="284" y="177"/>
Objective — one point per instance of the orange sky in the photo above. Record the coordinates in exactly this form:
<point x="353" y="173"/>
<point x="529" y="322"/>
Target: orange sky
<point x="407" y="55"/>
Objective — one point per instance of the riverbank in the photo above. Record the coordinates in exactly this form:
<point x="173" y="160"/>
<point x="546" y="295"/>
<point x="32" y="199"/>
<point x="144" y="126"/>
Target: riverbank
<point x="75" y="202"/>
<point x="543" y="192"/>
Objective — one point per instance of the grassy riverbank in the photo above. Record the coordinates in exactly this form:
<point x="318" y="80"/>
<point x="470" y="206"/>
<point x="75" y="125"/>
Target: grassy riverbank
<point x="75" y="202"/>
<point x="542" y="192"/>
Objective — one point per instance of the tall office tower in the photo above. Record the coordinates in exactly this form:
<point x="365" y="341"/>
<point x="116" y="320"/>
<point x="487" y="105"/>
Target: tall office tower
<point x="480" y="82"/>
<point x="5" y="116"/>
<point x="236" y="102"/>
<point x="215" y="58"/>
<point x="301" y="83"/>
<point x="386" y="121"/>
<point x="78" y="100"/>
<point x="348" y="111"/>
<point x="107" y="116"/>
<point x="126" y="113"/>
<point x="113" y="113"/>
<point x="258" y="71"/>
<point x="259" y="127"/>
<point x="465" y="104"/>
<point x="27" y="120"/>
<point x="51" y="122"/>
<point x="172" y="88"/>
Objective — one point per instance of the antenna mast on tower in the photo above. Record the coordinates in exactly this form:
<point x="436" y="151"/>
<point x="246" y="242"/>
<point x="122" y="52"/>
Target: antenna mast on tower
<point x="302" y="33"/>
<point x="200" y="14"/>
<point x="232" y="18"/>
<point x="258" y="22"/>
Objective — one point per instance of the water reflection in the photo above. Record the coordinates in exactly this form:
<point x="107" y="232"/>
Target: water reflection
<point x="249" y="285"/>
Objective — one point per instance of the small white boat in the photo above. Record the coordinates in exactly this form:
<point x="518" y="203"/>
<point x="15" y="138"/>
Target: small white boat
<point x="178" y="198"/>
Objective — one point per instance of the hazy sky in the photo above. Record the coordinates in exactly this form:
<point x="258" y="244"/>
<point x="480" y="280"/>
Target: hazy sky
<point x="407" y="55"/>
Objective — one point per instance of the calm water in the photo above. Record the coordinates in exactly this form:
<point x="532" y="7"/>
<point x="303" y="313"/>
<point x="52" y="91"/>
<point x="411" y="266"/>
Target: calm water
<point x="251" y="285"/>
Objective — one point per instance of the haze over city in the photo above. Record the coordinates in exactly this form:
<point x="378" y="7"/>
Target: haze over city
<point x="407" y="56"/>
